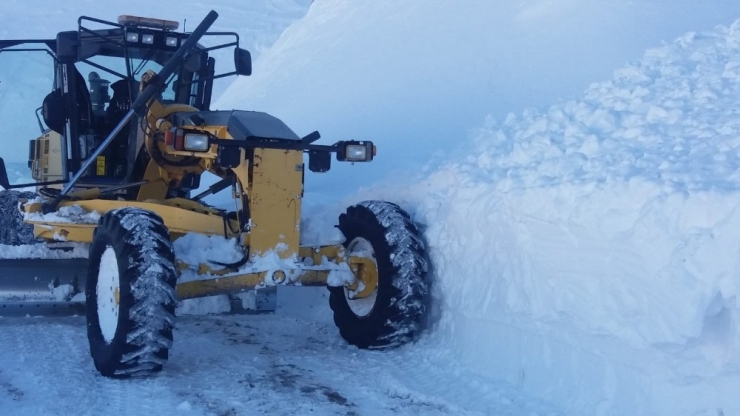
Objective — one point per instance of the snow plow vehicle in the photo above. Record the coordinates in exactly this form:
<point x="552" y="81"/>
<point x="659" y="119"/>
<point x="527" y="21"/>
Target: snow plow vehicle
<point x="117" y="173"/>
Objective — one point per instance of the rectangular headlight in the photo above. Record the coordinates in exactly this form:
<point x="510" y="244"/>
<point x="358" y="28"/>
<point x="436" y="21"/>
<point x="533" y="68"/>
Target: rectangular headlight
<point x="132" y="37"/>
<point x="355" y="153"/>
<point x="170" y="41"/>
<point x="196" y="142"/>
<point x="147" y="38"/>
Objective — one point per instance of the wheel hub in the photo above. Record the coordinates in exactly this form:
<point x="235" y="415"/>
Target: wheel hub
<point x="362" y="302"/>
<point x="108" y="294"/>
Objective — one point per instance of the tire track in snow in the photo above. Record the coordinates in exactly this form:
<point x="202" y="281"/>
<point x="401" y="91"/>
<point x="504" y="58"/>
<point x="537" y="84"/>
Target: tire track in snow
<point x="7" y="388"/>
<point x="33" y="355"/>
<point x="242" y="365"/>
<point x="48" y="361"/>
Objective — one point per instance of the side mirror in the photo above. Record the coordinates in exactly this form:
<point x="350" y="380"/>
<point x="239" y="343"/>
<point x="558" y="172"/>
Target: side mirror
<point x="242" y="61"/>
<point x="4" y="182"/>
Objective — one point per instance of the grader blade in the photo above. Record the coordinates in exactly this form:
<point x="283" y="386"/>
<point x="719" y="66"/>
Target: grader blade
<point x="42" y="286"/>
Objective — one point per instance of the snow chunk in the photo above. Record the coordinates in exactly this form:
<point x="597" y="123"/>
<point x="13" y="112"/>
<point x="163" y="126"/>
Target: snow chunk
<point x="195" y="249"/>
<point x="68" y="214"/>
<point x="204" y="306"/>
<point x="341" y="276"/>
<point x="61" y="292"/>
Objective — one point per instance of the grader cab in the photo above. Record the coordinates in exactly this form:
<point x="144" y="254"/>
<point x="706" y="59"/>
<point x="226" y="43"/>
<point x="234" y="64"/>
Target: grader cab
<point x="126" y="133"/>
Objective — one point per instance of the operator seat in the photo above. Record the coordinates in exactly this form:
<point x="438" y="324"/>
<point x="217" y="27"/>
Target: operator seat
<point x="53" y="111"/>
<point x="119" y="104"/>
<point x="54" y="108"/>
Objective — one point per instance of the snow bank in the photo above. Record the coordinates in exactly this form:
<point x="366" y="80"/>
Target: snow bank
<point x="415" y="76"/>
<point x="613" y="300"/>
<point x="588" y="254"/>
<point x="585" y="253"/>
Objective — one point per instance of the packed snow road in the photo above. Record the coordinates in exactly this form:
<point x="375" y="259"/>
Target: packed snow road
<point x="242" y="365"/>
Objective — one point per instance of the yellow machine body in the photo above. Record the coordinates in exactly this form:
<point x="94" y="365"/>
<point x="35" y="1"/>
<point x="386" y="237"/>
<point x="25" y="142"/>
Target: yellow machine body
<point x="269" y="183"/>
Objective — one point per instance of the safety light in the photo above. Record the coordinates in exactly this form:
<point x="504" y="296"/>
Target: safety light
<point x="170" y="41"/>
<point x="149" y="22"/>
<point x="196" y="142"/>
<point x="147" y="38"/>
<point x="132" y="37"/>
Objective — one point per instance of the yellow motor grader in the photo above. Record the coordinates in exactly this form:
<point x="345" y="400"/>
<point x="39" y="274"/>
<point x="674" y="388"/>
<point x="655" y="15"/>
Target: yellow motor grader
<point x="115" y="167"/>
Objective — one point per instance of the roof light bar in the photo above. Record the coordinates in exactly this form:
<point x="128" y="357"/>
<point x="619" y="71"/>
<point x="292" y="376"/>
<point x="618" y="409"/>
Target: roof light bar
<point x="148" y="22"/>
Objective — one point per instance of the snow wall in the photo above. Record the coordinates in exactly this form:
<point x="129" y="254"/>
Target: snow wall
<point x="416" y="76"/>
<point x="586" y="253"/>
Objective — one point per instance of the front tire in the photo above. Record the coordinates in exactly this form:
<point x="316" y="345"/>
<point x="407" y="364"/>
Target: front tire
<point x="130" y="294"/>
<point x="392" y="315"/>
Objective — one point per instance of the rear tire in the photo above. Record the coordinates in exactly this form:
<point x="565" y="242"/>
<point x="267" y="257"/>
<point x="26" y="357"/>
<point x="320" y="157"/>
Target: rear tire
<point x="130" y="294"/>
<point x="392" y="315"/>
<point x="13" y="231"/>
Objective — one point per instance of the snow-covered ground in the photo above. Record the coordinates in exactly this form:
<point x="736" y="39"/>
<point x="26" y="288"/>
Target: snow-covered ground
<point x="273" y="364"/>
<point x="584" y="251"/>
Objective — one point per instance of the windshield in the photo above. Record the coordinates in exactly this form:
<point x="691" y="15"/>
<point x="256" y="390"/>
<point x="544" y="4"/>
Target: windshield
<point x="26" y="77"/>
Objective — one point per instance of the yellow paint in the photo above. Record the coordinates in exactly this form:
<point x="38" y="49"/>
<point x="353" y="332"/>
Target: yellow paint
<point x="156" y="188"/>
<point x="275" y="201"/>
<point x="178" y="220"/>
<point x="242" y="282"/>
<point x="366" y="271"/>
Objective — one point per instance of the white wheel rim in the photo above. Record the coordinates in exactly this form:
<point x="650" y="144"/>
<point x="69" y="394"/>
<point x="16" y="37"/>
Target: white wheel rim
<point x="361" y="307"/>
<point x="108" y="292"/>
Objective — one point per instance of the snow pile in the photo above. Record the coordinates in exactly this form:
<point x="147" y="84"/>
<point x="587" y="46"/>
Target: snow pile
<point x="195" y="249"/>
<point x="588" y="254"/>
<point x="415" y="76"/>
<point x="72" y="214"/>
<point x="664" y="120"/>
<point x="204" y="306"/>
<point x="584" y="254"/>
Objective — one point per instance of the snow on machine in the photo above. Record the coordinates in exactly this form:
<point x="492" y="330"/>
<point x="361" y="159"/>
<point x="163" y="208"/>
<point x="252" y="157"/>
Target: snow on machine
<point x="121" y="151"/>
